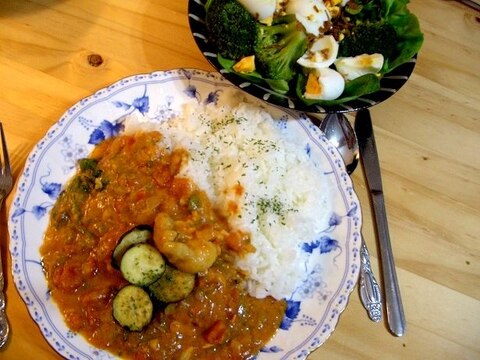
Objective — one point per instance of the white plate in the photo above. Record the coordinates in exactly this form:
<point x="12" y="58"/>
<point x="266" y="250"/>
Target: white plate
<point x="313" y="309"/>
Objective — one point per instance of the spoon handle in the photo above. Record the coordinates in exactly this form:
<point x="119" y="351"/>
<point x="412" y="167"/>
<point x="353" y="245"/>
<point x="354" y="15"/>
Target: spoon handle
<point x="369" y="290"/>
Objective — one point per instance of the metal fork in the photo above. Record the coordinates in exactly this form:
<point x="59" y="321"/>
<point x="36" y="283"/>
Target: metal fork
<point x="6" y="183"/>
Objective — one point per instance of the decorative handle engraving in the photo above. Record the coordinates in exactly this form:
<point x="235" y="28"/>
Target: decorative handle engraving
<point x="4" y="329"/>
<point x="369" y="290"/>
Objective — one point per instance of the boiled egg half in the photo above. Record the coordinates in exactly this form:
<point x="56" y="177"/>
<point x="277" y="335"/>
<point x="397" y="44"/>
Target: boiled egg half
<point x="322" y="53"/>
<point x="312" y="14"/>
<point x="262" y="10"/>
<point x="356" y="66"/>
<point x="324" y="84"/>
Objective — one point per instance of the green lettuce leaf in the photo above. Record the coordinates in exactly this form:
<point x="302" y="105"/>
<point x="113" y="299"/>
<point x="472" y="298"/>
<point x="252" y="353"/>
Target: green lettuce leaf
<point x="408" y="30"/>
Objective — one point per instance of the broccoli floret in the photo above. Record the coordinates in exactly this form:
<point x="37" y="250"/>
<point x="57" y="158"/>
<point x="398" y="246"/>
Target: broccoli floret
<point x="369" y="38"/>
<point x="231" y="28"/>
<point x="278" y="48"/>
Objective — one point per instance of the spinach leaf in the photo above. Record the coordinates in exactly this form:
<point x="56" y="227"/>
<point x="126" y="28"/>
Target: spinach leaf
<point x="280" y="86"/>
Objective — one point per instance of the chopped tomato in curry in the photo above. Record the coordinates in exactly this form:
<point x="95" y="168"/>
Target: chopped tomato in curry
<point x="128" y="181"/>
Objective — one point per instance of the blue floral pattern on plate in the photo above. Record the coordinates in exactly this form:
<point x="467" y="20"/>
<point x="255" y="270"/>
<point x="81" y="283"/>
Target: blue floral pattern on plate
<point x="333" y="264"/>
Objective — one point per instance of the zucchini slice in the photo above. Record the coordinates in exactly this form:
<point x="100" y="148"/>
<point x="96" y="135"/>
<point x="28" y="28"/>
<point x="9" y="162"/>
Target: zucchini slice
<point x="142" y="264"/>
<point x="132" y="308"/>
<point x="173" y="286"/>
<point x="139" y="234"/>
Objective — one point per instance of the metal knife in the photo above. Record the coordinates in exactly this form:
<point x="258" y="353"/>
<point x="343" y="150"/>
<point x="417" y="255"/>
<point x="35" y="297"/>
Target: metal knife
<point x="371" y="166"/>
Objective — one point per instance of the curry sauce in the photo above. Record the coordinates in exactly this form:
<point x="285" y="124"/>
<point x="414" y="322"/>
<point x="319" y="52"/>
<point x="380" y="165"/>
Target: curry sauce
<point x="129" y="181"/>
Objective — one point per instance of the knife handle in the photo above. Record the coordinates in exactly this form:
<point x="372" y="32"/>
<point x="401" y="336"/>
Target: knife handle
<point x="393" y="300"/>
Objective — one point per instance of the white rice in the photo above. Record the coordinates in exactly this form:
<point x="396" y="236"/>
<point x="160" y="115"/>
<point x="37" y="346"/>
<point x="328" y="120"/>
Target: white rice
<point x="285" y="203"/>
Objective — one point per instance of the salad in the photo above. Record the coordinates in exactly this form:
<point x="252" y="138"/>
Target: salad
<point x="324" y="52"/>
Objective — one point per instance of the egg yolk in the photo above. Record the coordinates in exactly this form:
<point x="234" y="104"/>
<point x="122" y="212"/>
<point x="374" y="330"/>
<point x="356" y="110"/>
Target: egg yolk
<point x="365" y="61"/>
<point x="313" y="85"/>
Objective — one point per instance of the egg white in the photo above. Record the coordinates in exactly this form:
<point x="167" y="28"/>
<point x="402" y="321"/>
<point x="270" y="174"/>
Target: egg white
<point x="260" y="9"/>
<point x="312" y="14"/>
<point x="322" y="53"/>
<point x="356" y="66"/>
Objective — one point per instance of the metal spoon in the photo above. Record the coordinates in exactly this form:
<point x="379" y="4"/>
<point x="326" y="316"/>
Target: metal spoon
<point x="340" y="133"/>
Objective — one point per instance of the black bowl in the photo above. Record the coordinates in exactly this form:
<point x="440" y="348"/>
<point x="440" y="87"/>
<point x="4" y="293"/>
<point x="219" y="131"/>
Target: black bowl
<point x="390" y="83"/>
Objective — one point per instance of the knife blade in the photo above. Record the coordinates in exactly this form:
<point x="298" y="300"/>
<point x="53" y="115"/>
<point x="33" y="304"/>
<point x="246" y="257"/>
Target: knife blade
<point x="369" y="158"/>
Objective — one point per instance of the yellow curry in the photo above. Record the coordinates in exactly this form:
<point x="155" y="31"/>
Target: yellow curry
<point x="129" y="181"/>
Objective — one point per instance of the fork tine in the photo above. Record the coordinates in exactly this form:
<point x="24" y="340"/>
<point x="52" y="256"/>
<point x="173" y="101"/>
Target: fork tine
<point x="6" y="159"/>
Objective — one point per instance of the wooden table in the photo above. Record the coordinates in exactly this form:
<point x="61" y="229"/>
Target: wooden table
<point x="54" y="52"/>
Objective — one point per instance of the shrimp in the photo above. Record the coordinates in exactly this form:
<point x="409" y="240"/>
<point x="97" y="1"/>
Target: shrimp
<point x="187" y="249"/>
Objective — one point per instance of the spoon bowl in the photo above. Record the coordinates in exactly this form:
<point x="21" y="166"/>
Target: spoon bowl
<point x="340" y="133"/>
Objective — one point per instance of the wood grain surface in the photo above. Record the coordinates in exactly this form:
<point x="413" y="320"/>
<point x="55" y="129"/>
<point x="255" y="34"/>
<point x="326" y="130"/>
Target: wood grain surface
<point x="55" y="52"/>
